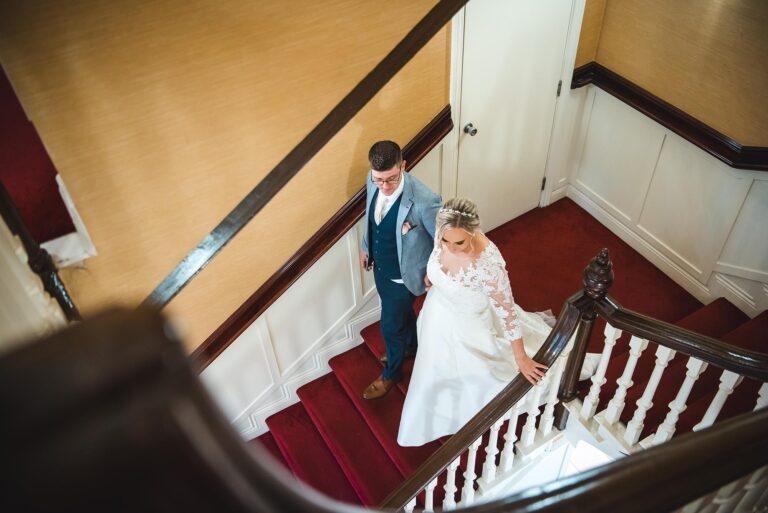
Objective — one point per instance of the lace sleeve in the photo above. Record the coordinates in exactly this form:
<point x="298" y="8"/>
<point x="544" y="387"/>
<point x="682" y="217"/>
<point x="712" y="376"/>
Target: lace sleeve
<point x="497" y="286"/>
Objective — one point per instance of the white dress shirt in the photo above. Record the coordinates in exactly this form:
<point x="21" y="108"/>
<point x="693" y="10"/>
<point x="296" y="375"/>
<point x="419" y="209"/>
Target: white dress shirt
<point x="384" y="203"/>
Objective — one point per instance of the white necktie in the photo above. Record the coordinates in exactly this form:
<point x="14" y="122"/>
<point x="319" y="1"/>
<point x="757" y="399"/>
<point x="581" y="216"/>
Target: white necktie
<point x="380" y="211"/>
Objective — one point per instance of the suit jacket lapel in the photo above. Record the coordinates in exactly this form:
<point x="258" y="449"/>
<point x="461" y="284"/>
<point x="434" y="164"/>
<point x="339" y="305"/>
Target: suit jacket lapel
<point x="406" y="202"/>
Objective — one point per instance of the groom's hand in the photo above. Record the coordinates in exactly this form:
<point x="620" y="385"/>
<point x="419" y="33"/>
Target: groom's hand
<point x="427" y="283"/>
<point x="364" y="261"/>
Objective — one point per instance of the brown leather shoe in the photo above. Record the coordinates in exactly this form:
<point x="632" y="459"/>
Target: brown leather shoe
<point x="408" y="354"/>
<point x="378" y="388"/>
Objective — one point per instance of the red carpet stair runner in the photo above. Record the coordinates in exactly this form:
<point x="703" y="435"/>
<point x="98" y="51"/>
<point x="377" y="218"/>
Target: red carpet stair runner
<point x="346" y="447"/>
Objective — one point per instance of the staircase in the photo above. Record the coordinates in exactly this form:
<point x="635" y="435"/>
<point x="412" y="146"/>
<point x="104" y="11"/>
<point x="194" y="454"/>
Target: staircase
<point x="344" y="446"/>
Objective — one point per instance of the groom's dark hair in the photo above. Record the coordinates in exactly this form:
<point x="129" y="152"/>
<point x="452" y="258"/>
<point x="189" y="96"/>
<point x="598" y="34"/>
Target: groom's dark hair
<point x="385" y="155"/>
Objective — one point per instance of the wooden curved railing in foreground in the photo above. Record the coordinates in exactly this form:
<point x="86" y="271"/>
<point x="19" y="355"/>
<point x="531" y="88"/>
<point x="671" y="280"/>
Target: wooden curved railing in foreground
<point x="108" y="415"/>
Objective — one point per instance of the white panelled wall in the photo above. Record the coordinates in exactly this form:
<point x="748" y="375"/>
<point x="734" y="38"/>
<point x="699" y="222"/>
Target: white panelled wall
<point x="318" y="317"/>
<point x="697" y="219"/>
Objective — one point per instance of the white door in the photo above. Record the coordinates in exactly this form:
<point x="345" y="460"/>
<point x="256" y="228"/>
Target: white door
<point x="513" y="55"/>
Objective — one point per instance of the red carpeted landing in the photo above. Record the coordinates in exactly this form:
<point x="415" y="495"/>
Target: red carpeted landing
<point x="346" y="447"/>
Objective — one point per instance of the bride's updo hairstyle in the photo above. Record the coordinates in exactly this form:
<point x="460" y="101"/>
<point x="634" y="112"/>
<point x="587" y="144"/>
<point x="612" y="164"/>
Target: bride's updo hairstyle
<point x="457" y="213"/>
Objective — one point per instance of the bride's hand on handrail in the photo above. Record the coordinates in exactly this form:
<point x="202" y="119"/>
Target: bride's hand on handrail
<point x="532" y="370"/>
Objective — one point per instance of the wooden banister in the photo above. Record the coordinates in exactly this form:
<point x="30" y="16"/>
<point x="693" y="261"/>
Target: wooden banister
<point x="710" y="350"/>
<point x="108" y="415"/>
<point x="480" y="423"/>
<point x="659" y="479"/>
<point x="38" y="258"/>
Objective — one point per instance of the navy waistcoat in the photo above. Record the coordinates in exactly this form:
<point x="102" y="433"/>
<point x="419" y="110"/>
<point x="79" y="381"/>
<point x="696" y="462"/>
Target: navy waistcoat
<point x="383" y="242"/>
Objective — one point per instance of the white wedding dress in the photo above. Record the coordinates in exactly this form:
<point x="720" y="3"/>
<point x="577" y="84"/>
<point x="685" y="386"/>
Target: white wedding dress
<point x="465" y="359"/>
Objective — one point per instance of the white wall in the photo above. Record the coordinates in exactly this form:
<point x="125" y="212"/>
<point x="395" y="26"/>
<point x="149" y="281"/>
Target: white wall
<point x="697" y="219"/>
<point x="320" y="316"/>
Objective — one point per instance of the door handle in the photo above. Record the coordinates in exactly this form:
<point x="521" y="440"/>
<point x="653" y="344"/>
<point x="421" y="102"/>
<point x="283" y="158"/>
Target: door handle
<point x="470" y="129"/>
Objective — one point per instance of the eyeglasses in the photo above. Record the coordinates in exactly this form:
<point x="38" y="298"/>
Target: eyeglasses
<point x="392" y="180"/>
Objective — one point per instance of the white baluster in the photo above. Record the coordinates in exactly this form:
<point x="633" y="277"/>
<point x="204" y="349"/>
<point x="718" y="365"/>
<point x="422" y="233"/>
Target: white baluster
<point x="762" y="397"/>
<point x="529" y="430"/>
<point x="728" y="496"/>
<point x="635" y="426"/>
<point x="667" y="429"/>
<point x="410" y="506"/>
<point x="753" y="490"/>
<point x="429" y="496"/>
<point x="491" y="450"/>
<point x="598" y="380"/>
<point x="616" y="406"/>
<point x="728" y="382"/>
<point x="468" y="492"/>
<point x="548" y="417"/>
<point x="508" y="452"/>
<point x="449" y="502"/>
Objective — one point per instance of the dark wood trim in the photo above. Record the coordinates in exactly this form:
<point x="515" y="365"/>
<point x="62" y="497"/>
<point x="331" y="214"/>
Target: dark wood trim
<point x="313" y="249"/>
<point x="121" y="383"/>
<point x="297" y="158"/>
<point x="715" y="352"/>
<point x="689" y="128"/>
<point x="38" y="258"/>
<point x="662" y="478"/>
<point x="558" y="338"/>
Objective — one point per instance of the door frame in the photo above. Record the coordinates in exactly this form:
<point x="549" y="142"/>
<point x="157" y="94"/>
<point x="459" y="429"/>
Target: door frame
<point x="450" y="147"/>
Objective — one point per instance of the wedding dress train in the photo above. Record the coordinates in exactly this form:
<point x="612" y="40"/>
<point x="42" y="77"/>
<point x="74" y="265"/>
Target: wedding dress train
<point x="465" y="358"/>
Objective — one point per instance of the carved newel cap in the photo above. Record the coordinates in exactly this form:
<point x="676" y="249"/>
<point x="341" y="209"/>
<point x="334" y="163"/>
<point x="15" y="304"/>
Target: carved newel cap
<point x="598" y="275"/>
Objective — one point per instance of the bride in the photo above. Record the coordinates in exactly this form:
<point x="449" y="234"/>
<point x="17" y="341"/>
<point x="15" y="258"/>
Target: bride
<point x="473" y="338"/>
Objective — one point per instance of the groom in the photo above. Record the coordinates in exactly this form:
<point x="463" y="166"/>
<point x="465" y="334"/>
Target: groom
<point x="399" y="237"/>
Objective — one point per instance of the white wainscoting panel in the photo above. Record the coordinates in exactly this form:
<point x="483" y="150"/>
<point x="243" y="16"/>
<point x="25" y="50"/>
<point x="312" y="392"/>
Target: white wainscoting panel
<point x="620" y="153"/>
<point x="298" y="320"/>
<point x="236" y="390"/>
<point x="698" y="220"/>
<point x="318" y="317"/>
<point x="746" y="251"/>
<point x="691" y="205"/>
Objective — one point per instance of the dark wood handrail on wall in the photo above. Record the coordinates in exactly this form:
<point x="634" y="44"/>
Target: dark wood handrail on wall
<point x="313" y="249"/>
<point x="157" y="442"/>
<point x="38" y="258"/>
<point x="686" y="126"/>
<point x="199" y="257"/>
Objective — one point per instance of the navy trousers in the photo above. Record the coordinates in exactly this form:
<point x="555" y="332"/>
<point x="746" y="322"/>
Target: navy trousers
<point x="398" y="324"/>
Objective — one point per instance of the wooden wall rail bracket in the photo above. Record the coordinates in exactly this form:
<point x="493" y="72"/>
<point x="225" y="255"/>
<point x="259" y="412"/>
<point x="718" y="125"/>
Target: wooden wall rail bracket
<point x="689" y="128"/>
<point x="313" y="249"/>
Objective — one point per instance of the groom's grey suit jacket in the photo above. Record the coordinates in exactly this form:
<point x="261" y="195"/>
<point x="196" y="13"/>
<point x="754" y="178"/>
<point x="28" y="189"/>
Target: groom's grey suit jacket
<point x="419" y="207"/>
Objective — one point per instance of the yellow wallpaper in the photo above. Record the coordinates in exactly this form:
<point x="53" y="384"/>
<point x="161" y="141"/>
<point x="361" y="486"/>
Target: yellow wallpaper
<point x="589" y="36"/>
<point x="161" y="115"/>
<point x="707" y="58"/>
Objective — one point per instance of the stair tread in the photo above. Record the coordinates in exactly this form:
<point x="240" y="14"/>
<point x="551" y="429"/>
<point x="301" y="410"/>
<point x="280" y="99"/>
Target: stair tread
<point x="375" y="343"/>
<point x="373" y="476"/>
<point x="267" y="441"/>
<point x="306" y="454"/>
<point x="752" y="335"/>
<point x="355" y="369"/>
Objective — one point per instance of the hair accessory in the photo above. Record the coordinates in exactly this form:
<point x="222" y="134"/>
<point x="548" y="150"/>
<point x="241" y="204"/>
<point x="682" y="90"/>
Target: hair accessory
<point x="458" y="212"/>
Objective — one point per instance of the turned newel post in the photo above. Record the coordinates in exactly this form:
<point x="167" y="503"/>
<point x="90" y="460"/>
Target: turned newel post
<point x="38" y="258"/>
<point x="598" y="277"/>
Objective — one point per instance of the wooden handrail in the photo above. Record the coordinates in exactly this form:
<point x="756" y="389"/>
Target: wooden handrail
<point x="499" y="405"/>
<point x="108" y="415"/>
<point x="299" y="156"/>
<point x="38" y="258"/>
<point x="659" y="479"/>
<point x="726" y="356"/>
